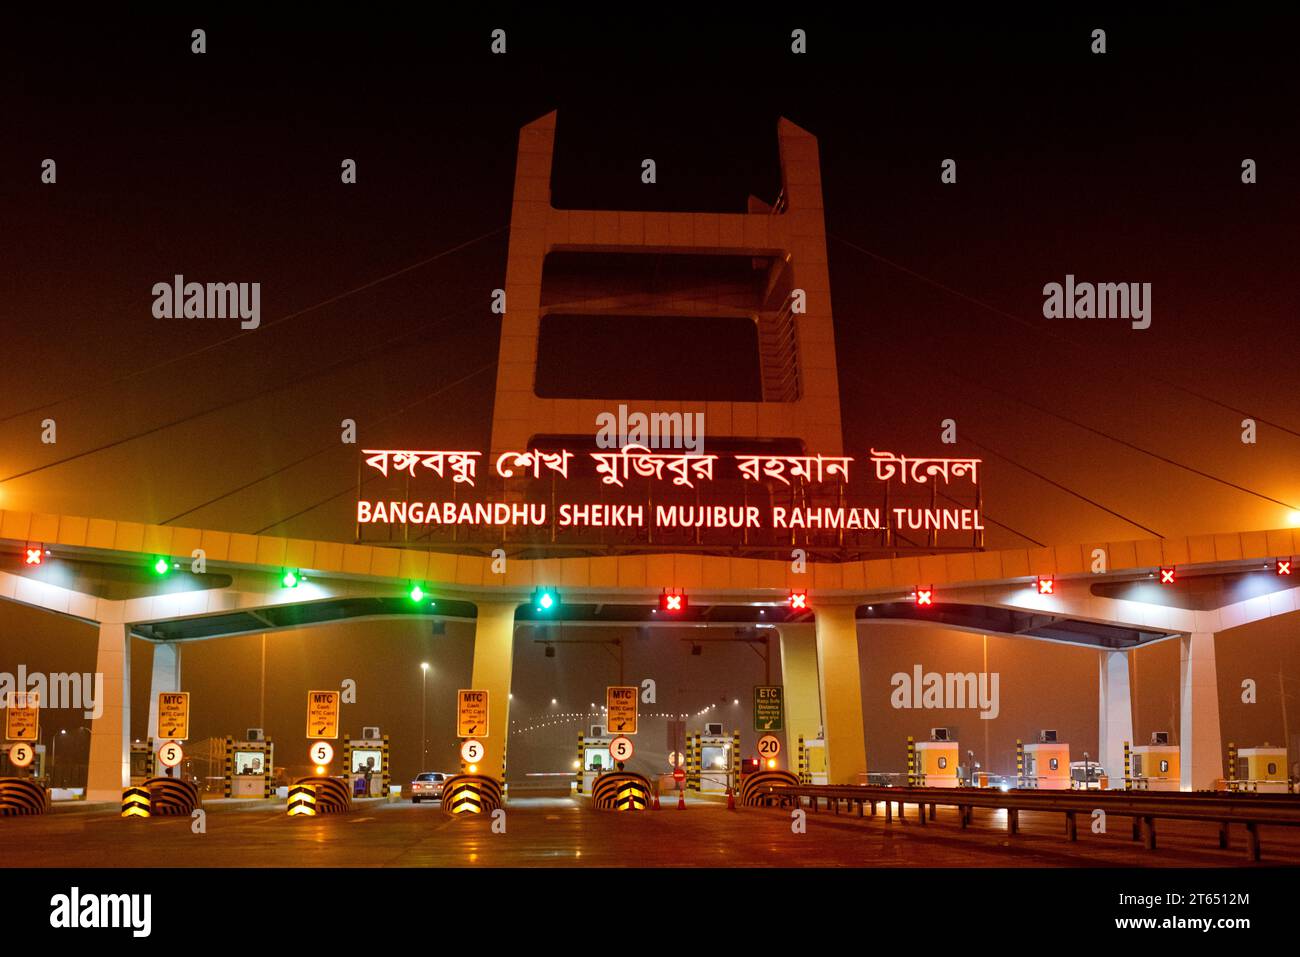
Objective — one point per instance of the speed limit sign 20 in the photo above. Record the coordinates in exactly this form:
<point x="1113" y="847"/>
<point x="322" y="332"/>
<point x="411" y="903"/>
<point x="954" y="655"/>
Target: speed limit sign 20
<point x="769" y="746"/>
<point x="620" y="749"/>
<point x="170" y="754"/>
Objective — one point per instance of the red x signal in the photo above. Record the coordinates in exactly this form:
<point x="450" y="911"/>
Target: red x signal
<point x="925" y="596"/>
<point x="33" y="555"/>
<point x="673" y="602"/>
<point x="1284" y="566"/>
<point x="798" y="601"/>
<point x="1046" y="586"/>
<point x="1166" y="576"/>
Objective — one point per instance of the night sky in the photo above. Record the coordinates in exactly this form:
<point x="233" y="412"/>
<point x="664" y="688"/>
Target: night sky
<point x="225" y="167"/>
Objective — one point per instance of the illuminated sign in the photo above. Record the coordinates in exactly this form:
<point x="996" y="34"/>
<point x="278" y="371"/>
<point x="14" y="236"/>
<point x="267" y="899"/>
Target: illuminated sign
<point x="1284" y="566"/>
<point x="925" y="596"/>
<point x="22" y="716"/>
<point x="798" y="601"/>
<point x="642" y="496"/>
<point x="322" y="714"/>
<point x="471" y="714"/>
<point x="174" y="715"/>
<point x="1046" y="586"/>
<point x="769" y="708"/>
<point x="33" y="555"/>
<point x="673" y="602"/>
<point x="1167" y="576"/>
<point x="620" y="704"/>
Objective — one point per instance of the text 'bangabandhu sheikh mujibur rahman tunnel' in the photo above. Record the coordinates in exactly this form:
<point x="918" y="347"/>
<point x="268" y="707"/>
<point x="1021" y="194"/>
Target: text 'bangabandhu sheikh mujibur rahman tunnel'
<point x="613" y="528"/>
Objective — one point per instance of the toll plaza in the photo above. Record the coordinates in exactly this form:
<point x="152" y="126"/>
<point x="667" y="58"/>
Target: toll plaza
<point x="751" y="545"/>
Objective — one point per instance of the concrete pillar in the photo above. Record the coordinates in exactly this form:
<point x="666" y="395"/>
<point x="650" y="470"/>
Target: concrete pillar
<point x="166" y="677"/>
<point x="803" y="697"/>
<point x="494" y="642"/>
<point x="1114" y="714"/>
<point x="841" y="687"/>
<point x="1200" y="744"/>
<point x="110" y="733"/>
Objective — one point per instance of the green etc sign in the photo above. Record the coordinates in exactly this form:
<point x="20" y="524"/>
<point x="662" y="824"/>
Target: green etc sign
<point x="769" y="708"/>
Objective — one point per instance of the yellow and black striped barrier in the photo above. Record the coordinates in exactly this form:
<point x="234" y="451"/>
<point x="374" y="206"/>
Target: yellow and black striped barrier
<point x="22" y="796"/>
<point x="471" y="794"/>
<point x="621" y="791"/>
<point x="302" y="800"/>
<point x="911" y="762"/>
<point x="135" y="802"/>
<point x="753" y="788"/>
<point x="805" y="777"/>
<point x="1128" y="766"/>
<point x="581" y="763"/>
<point x="1020" y="763"/>
<point x="331" y="795"/>
<point x="172" y="796"/>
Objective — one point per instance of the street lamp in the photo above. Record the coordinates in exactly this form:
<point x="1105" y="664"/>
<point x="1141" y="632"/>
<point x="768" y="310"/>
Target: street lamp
<point x="424" y="683"/>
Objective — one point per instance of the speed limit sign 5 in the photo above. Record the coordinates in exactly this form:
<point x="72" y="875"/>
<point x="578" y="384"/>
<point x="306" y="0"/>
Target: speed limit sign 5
<point x="769" y="746"/>
<point x="22" y="754"/>
<point x="620" y="749"/>
<point x="471" y="752"/>
<point x="170" y="754"/>
<point x="322" y="752"/>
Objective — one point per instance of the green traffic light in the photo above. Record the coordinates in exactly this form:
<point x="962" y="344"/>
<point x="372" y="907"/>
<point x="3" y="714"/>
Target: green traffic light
<point x="417" y="594"/>
<point x="160" y="566"/>
<point x="546" y="599"/>
<point x="290" y="580"/>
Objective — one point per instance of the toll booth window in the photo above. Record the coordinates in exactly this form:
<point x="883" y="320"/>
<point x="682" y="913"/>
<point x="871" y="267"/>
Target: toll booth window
<point x="139" y="764"/>
<point x="1272" y="768"/>
<point x="367" y="759"/>
<point x="598" y="759"/>
<point x="1054" y="763"/>
<point x="713" y="759"/>
<point x="249" y="762"/>
<point x="1164" y="767"/>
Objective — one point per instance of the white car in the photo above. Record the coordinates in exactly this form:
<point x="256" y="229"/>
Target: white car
<point x="427" y="786"/>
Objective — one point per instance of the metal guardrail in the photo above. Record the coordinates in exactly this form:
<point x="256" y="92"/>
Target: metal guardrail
<point x="1144" y="807"/>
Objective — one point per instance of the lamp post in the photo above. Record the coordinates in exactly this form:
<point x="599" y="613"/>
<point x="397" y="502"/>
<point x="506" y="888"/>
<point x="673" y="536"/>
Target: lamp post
<point x="424" y="679"/>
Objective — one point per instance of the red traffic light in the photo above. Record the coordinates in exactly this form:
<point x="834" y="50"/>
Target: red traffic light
<point x="33" y="555"/>
<point x="1046" y="585"/>
<point x="925" y="596"/>
<point x="673" y="602"/>
<point x="1284" y="566"/>
<point x="798" y="601"/>
<point x="1167" y="576"/>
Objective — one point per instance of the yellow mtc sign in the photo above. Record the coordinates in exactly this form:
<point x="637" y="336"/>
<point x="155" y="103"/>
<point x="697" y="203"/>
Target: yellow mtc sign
<point x="471" y="714"/>
<point x="620" y="705"/>
<point x="322" y="714"/>
<point x="174" y="715"/>
<point x="22" y="716"/>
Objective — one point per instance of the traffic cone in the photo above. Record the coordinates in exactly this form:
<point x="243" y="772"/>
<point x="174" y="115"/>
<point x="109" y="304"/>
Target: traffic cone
<point x="681" y="800"/>
<point x="731" y="799"/>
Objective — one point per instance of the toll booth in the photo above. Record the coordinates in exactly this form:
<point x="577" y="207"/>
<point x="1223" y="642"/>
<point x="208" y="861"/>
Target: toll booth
<point x="593" y="759"/>
<point x="249" y="769"/>
<point x="142" y="761"/>
<point x="716" y="757"/>
<point x="1262" y="770"/>
<point x="365" y="765"/>
<point x="1155" y="767"/>
<point x="1047" y="766"/>
<point x="37" y="769"/>
<point x="811" y="760"/>
<point x="936" y="763"/>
